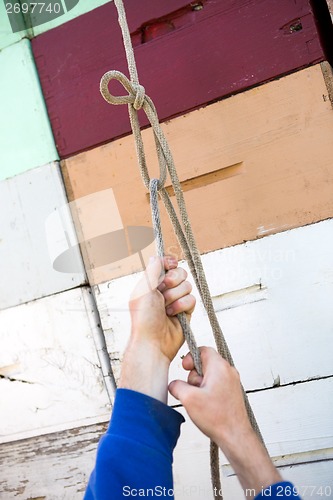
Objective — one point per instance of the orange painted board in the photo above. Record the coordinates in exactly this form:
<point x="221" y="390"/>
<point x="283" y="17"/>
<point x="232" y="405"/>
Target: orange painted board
<point x="254" y="164"/>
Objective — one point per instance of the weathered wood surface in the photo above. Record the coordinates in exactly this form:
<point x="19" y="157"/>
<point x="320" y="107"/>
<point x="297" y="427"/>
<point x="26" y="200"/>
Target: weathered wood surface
<point x="50" y="376"/>
<point x="251" y="165"/>
<point x="292" y="418"/>
<point x="267" y="38"/>
<point x="26" y="139"/>
<point x="51" y="467"/>
<point x="273" y="299"/>
<point x="35" y="226"/>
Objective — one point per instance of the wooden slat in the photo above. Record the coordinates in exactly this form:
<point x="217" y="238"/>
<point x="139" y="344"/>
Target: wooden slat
<point x="288" y="417"/>
<point x="49" y="467"/>
<point x="50" y="374"/>
<point x="267" y="38"/>
<point x="258" y="163"/>
<point x="273" y="300"/>
<point x="26" y="137"/>
<point x="35" y="226"/>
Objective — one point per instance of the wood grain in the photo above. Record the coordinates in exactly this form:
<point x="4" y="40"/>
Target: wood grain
<point x="26" y="137"/>
<point x="51" y="377"/>
<point x="51" y="467"/>
<point x="280" y="134"/>
<point x="58" y="465"/>
<point x="35" y="227"/>
<point x="272" y="298"/>
<point x="267" y="38"/>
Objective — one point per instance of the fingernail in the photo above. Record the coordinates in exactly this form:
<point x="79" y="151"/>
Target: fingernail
<point x="162" y="287"/>
<point x="169" y="310"/>
<point x="151" y="260"/>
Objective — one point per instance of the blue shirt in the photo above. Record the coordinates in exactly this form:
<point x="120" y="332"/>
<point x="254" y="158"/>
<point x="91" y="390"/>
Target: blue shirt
<point x="135" y="454"/>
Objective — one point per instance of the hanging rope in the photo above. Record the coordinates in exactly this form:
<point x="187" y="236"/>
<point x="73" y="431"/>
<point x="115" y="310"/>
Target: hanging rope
<point x="137" y="99"/>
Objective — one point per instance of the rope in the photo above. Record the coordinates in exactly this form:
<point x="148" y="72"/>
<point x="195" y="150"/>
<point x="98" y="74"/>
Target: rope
<point x="137" y="99"/>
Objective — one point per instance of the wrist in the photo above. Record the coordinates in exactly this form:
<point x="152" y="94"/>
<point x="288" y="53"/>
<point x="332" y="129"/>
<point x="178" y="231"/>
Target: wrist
<point x="145" y="369"/>
<point x="250" y="460"/>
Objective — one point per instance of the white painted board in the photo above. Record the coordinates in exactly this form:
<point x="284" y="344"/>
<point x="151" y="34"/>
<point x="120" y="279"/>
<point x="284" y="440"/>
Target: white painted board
<point x="296" y="423"/>
<point x="35" y="226"/>
<point x="64" y="460"/>
<point x="53" y="467"/>
<point x="274" y="301"/>
<point x="50" y="373"/>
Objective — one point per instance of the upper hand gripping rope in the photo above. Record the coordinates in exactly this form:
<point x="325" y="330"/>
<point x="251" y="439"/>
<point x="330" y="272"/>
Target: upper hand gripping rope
<point x="137" y="99"/>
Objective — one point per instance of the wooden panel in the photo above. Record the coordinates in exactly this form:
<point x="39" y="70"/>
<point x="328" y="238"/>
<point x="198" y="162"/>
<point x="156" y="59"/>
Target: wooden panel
<point x="50" y="378"/>
<point x="296" y="425"/>
<point x="34" y="228"/>
<point x="26" y="137"/>
<point x="273" y="297"/>
<point x="258" y="163"/>
<point x="49" y="467"/>
<point x="266" y="37"/>
<point x="64" y="460"/>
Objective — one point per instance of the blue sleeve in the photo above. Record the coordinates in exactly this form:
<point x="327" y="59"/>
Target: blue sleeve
<point x="279" y="491"/>
<point x="136" y="451"/>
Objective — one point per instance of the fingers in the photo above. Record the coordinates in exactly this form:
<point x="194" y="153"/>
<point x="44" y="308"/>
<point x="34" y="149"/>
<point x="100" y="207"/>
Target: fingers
<point x="177" y="292"/>
<point x="180" y="390"/>
<point x="154" y="274"/>
<point x="194" y="378"/>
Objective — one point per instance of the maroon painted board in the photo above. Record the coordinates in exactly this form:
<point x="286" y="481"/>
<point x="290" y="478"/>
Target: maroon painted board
<point x="186" y="58"/>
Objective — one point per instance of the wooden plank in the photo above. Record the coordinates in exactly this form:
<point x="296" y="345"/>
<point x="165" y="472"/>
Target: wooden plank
<point x="273" y="294"/>
<point x="258" y="162"/>
<point x="36" y="226"/>
<point x="26" y="137"/>
<point x="290" y="422"/>
<point x="64" y="460"/>
<point x="51" y="466"/>
<point x="50" y="373"/>
<point x="267" y="38"/>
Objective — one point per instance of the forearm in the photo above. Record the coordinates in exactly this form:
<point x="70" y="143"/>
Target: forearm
<point x="145" y="370"/>
<point x="250" y="461"/>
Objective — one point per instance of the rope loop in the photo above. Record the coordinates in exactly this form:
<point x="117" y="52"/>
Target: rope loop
<point x="136" y="92"/>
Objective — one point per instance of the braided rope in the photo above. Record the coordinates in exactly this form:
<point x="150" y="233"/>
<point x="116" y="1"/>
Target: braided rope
<point x="137" y="99"/>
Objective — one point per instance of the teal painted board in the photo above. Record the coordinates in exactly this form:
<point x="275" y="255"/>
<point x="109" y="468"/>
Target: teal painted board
<point x="7" y="37"/>
<point x="26" y="139"/>
<point x="80" y="8"/>
<point x="35" y="227"/>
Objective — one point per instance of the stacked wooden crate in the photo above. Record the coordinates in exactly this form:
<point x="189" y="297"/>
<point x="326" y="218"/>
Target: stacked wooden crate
<point x="245" y="92"/>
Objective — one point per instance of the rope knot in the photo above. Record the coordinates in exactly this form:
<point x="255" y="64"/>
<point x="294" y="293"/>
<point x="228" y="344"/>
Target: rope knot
<point x="140" y="94"/>
<point x="136" y="92"/>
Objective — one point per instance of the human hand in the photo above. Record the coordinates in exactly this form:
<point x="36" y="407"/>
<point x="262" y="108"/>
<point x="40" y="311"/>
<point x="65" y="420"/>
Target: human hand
<point x="216" y="405"/>
<point x="215" y="401"/>
<point x="156" y="334"/>
<point x="156" y="300"/>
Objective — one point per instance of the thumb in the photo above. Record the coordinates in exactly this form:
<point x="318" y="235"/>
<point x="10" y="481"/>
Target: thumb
<point x="180" y="389"/>
<point x="150" y="280"/>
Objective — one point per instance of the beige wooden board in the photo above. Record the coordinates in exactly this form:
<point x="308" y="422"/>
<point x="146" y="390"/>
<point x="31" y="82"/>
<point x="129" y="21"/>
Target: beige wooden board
<point x="50" y="373"/>
<point x="273" y="298"/>
<point x="251" y="165"/>
<point x="35" y="226"/>
<point x="51" y="467"/>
